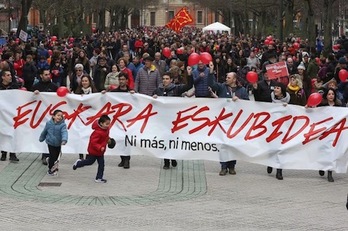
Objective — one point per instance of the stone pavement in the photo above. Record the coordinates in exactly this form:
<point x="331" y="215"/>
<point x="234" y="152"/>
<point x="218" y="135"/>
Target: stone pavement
<point x="191" y="196"/>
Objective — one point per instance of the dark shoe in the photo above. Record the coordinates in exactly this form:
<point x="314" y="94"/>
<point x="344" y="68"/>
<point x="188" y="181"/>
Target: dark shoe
<point x="269" y="170"/>
<point x="329" y="176"/>
<point x="121" y="164"/>
<point x="223" y="172"/>
<point x="50" y="173"/>
<point x="321" y="172"/>
<point x="165" y="166"/>
<point x="81" y="156"/>
<point x="13" y="157"/>
<point x="44" y="161"/>
<point x="3" y="156"/>
<point x="232" y="171"/>
<point x="279" y="174"/>
<point x="174" y="163"/>
<point x="126" y="164"/>
<point x="75" y="164"/>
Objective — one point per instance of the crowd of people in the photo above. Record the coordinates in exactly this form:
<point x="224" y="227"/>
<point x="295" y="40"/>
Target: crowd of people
<point x="133" y="60"/>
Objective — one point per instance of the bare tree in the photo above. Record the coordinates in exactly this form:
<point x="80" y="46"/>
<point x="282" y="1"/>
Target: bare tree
<point x="23" y="22"/>
<point x="327" y="18"/>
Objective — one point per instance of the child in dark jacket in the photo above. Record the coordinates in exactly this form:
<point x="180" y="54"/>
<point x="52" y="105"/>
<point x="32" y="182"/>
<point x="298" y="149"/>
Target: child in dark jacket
<point x="56" y="134"/>
<point x="96" y="147"/>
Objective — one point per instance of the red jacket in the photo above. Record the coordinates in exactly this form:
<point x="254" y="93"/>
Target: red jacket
<point x="98" y="140"/>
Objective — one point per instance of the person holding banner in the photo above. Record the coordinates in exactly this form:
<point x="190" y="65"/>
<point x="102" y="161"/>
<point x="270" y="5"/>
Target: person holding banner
<point x="329" y="99"/>
<point x="168" y="88"/>
<point x="123" y="87"/>
<point x="279" y="95"/>
<point x="85" y="86"/>
<point x="8" y="84"/>
<point x="230" y="89"/>
<point x="44" y="85"/>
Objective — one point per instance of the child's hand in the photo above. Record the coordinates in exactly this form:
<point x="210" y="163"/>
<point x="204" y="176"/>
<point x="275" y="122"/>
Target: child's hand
<point x="102" y="149"/>
<point x="64" y="143"/>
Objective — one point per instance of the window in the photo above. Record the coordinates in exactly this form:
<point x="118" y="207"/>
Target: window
<point x="170" y="15"/>
<point x="153" y="19"/>
<point x="199" y="17"/>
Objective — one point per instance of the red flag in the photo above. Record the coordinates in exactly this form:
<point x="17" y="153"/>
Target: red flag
<point x="181" y="19"/>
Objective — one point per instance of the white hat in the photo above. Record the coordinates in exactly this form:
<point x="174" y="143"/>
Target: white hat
<point x="301" y="66"/>
<point x="305" y="54"/>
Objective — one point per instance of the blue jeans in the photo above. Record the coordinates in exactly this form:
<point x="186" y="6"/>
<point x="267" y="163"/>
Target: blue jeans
<point x="228" y="164"/>
<point x="90" y="159"/>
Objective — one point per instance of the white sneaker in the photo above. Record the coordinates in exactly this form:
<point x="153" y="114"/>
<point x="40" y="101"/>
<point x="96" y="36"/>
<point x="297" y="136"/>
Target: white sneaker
<point x="75" y="164"/>
<point x="100" y="181"/>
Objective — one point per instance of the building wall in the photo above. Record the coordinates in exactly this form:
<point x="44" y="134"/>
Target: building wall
<point x="164" y="9"/>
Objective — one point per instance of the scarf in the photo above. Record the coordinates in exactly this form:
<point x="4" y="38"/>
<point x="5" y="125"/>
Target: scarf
<point x="294" y="89"/>
<point x="87" y="91"/>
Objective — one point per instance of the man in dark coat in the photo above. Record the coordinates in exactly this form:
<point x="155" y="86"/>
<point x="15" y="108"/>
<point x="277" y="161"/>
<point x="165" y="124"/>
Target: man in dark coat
<point x="8" y="84"/>
<point x="44" y="85"/>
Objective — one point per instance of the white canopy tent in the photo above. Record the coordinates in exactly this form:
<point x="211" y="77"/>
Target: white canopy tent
<point x="217" y="27"/>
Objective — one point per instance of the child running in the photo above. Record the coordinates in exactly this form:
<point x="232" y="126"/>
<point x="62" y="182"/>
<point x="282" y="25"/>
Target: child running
<point x="56" y="134"/>
<point x="96" y="147"/>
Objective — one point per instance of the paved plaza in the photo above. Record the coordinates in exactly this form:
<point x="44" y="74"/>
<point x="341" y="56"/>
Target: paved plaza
<point x="191" y="196"/>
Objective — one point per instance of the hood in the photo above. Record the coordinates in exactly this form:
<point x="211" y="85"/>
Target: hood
<point x="96" y="126"/>
<point x="286" y="99"/>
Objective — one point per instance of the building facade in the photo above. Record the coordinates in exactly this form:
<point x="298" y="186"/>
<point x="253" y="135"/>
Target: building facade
<point x="162" y="13"/>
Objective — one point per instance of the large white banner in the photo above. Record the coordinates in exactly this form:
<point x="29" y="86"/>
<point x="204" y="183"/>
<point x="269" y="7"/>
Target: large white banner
<point x="289" y="137"/>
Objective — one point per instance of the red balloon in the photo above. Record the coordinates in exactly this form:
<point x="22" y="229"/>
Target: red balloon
<point x="252" y="77"/>
<point x="50" y="52"/>
<point x="62" y="91"/>
<point x="54" y="38"/>
<point x="166" y="52"/>
<point x="314" y="99"/>
<point x="296" y="45"/>
<point x="266" y="42"/>
<point x="193" y="59"/>
<point x="179" y="51"/>
<point x="269" y="38"/>
<point x="71" y="40"/>
<point x="206" y="57"/>
<point x="343" y="75"/>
